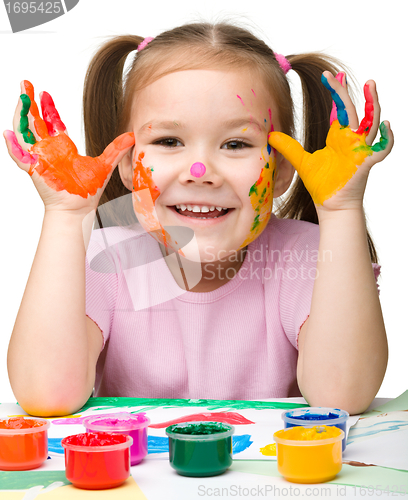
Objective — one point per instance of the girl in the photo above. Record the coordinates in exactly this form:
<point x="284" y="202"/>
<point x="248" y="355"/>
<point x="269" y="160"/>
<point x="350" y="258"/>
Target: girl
<point x="208" y="295"/>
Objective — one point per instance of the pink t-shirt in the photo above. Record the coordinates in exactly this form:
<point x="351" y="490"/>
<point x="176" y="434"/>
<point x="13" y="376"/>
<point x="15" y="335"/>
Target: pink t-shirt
<point x="236" y="342"/>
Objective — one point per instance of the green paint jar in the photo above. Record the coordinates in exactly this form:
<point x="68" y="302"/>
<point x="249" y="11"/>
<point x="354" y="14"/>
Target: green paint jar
<point x="200" y="449"/>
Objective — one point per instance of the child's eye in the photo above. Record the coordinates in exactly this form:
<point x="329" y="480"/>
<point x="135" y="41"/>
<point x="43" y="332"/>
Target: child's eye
<point x="168" y="142"/>
<point x="235" y="145"/>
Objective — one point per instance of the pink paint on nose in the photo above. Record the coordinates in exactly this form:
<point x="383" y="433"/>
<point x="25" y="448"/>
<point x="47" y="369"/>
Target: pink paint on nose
<point x="197" y="169"/>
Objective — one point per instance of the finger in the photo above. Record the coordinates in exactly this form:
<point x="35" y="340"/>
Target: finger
<point x="383" y="147"/>
<point x="39" y="128"/>
<point x="346" y="112"/>
<point x="23" y="159"/>
<point x="371" y="121"/>
<point x="117" y="149"/>
<point x="20" y="123"/>
<point x="51" y="116"/>
<point x="289" y="148"/>
<point x="341" y="77"/>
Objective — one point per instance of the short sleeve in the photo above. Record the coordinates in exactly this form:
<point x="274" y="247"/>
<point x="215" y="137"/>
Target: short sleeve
<point x="101" y="284"/>
<point x="298" y="273"/>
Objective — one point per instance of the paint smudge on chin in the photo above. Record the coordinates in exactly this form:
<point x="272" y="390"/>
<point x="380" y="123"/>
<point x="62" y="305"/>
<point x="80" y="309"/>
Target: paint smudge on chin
<point x="228" y="417"/>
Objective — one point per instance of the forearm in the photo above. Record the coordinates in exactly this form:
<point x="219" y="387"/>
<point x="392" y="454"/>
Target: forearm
<point x="48" y="357"/>
<point x="343" y="348"/>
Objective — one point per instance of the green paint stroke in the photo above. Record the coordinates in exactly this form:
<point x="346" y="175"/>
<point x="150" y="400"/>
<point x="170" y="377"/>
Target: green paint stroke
<point x="25" y="131"/>
<point x="24" y="479"/>
<point x="211" y="404"/>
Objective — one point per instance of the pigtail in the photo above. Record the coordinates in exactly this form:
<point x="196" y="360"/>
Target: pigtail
<point x="102" y="108"/>
<point x="317" y="105"/>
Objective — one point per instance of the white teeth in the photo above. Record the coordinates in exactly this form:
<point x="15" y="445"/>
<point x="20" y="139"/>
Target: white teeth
<point x="196" y="208"/>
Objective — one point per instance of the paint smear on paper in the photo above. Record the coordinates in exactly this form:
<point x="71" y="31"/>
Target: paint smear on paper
<point x="224" y="417"/>
<point x="269" y="450"/>
<point x="158" y="444"/>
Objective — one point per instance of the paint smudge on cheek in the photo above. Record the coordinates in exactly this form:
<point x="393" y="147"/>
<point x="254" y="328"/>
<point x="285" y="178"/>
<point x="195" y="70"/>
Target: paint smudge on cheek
<point x="144" y="196"/>
<point x="261" y="196"/>
<point x="261" y="193"/>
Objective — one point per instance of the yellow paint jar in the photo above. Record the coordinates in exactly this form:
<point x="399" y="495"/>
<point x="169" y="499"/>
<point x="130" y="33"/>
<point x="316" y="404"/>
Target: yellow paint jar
<point x="309" y="454"/>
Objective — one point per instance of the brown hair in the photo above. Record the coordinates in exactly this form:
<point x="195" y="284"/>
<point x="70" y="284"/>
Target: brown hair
<point x="109" y="94"/>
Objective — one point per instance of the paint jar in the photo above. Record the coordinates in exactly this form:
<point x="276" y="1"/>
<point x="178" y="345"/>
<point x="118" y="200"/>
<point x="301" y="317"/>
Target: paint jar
<point x="200" y="449"/>
<point x="133" y="425"/>
<point x="96" y="461"/>
<point x="23" y="443"/>
<point x="308" y="417"/>
<point x="309" y="454"/>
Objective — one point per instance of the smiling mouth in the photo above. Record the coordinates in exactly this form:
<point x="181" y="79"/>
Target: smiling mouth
<point x="201" y="212"/>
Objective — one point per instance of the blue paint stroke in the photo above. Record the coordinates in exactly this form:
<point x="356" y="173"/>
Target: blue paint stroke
<point x="241" y="443"/>
<point x="357" y="433"/>
<point x="54" y="444"/>
<point x="158" y="444"/>
<point x="342" y="115"/>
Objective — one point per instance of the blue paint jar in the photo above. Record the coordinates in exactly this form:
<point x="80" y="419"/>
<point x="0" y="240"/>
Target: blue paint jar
<point x="308" y="417"/>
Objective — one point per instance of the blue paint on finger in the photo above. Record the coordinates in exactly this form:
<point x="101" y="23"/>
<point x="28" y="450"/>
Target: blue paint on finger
<point x="342" y="115"/>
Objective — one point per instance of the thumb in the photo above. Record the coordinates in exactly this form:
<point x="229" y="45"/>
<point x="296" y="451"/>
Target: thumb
<point x="288" y="147"/>
<point x="117" y="149"/>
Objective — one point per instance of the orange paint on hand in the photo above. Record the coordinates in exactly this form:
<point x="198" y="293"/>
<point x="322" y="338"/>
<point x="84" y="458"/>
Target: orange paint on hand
<point x="62" y="168"/>
<point x="39" y="124"/>
<point x="327" y="170"/>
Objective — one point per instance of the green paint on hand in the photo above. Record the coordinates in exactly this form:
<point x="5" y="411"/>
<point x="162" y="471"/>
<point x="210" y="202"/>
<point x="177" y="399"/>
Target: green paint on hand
<point x="384" y="140"/>
<point x="25" y="131"/>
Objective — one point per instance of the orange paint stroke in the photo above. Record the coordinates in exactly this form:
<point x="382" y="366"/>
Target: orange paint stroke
<point x="144" y="196"/>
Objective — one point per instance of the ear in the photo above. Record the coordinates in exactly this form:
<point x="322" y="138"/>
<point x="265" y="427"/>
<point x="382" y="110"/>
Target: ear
<point x="283" y="176"/>
<point x="126" y="170"/>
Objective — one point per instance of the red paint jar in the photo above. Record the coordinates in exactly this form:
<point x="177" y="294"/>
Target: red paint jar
<point x="97" y="460"/>
<point x="23" y="443"/>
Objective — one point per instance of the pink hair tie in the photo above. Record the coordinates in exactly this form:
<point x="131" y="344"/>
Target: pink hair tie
<point x="143" y="44"/>
<point x="283" y="62"/>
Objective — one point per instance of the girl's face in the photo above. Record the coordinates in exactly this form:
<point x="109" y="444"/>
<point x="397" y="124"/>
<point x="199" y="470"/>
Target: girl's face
<point x="201" y="159"/>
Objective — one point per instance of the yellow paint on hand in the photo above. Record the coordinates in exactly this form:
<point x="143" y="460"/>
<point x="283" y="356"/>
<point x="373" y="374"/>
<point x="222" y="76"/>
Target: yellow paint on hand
<point x="327" y="170"/>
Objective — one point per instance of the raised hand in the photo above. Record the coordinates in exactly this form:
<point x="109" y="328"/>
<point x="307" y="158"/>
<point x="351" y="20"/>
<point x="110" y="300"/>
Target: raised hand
<point x="336" y="175"/>
<point x="41" y="147"/>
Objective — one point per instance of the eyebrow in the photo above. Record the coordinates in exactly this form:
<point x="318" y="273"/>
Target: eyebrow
<point x="177" y="125"/>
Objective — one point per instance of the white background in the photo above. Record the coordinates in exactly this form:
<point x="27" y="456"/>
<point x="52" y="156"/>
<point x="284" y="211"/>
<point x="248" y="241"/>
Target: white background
<point x="369" y="37"/>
